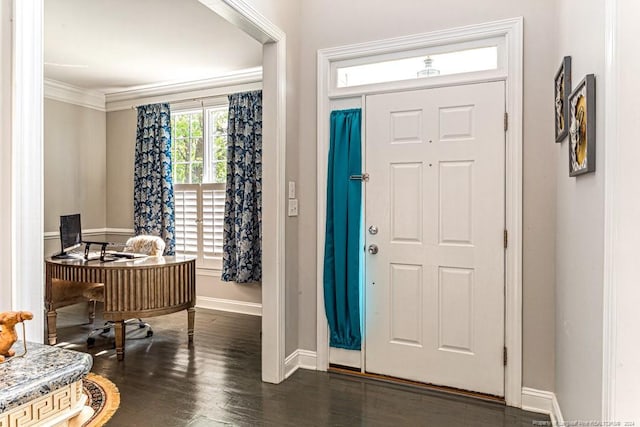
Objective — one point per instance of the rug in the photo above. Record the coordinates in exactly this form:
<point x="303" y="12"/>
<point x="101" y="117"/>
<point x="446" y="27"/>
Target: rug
<point x="103" y="398"/>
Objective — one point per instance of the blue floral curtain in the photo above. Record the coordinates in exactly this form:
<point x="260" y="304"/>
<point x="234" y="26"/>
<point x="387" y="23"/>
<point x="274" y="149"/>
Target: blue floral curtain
<point x="153" y="208"/>
<point x="343" y="246"/>
<point x="242" y="253"/>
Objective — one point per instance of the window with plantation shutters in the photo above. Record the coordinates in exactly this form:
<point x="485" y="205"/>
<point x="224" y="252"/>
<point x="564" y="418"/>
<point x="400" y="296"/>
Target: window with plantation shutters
<point x="199" y="173"/>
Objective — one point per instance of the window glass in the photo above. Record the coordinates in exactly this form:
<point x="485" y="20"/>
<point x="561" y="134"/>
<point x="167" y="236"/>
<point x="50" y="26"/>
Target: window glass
<point x="218" y="147"/>
<point x="423" y="66"/>
<point x="199" y="145"/>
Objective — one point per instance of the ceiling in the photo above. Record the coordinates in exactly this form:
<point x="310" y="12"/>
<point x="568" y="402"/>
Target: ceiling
<point x="115" y="45"/>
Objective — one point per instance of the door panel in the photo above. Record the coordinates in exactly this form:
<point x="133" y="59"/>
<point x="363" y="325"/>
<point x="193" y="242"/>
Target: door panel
<point x="435" y="290"/>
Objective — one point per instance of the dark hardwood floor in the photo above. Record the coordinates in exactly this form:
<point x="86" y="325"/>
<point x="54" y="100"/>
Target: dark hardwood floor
<point x="162" y="382"/>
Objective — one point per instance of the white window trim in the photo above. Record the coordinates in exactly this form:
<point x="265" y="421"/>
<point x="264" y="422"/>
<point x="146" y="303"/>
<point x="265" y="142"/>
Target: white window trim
<point x="511" y="31"/>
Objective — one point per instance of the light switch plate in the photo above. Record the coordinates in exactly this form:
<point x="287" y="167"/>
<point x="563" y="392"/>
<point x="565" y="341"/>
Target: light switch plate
<point x="292" y="189"/>
<point x="293" y="207"/>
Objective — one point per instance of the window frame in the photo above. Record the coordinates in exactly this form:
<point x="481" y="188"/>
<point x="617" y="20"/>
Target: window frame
<point x="204" y="106"/>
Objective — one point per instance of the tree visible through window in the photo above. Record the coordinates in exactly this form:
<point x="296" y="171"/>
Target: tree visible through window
<point x="199" y="145"/>
<point x="199" y="151"/>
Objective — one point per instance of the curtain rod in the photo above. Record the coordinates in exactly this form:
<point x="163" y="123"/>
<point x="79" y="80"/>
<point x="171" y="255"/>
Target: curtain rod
<point x="201" y="100"/>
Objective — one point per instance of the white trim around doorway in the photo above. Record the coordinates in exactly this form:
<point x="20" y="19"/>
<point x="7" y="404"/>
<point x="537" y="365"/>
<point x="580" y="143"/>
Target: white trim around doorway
<point x="510" y="31"/>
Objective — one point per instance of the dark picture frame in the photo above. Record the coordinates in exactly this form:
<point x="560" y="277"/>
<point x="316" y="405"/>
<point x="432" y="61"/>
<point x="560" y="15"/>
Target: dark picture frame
<point x="582" y="127"/>
<point x="561" y="90"/>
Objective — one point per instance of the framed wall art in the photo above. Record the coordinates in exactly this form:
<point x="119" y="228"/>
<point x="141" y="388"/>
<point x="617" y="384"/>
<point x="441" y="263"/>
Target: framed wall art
<point x="582" y="127"/>
<point x="562" y="87"/>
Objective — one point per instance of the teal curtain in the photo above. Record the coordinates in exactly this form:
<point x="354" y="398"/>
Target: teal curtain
<point x="342" y="242"/>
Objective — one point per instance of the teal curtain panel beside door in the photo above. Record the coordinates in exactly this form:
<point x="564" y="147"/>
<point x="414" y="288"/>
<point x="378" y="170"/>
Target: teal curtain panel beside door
<point x="341" y="277"/>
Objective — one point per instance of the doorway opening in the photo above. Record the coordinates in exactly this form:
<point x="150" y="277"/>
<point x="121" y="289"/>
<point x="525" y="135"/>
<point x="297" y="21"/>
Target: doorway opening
<point x="27" y="190"/>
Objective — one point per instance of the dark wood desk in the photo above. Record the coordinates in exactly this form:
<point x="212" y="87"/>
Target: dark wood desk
<point x="144" y="287"/>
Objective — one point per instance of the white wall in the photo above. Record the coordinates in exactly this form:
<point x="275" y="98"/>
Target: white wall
<point x="333" y="23"/>
<point x="5" y="154"/>
<point x="622" y="383"/>
<point x="579" y="227"/>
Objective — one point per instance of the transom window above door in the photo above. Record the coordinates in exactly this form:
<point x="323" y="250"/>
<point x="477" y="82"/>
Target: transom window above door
<point x="416" y="64"/>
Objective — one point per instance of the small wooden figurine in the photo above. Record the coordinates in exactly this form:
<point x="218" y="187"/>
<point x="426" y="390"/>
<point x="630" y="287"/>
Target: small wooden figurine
<point x="8" y="335"/>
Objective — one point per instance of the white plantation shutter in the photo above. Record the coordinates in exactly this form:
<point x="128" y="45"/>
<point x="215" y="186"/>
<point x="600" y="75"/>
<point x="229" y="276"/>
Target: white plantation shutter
<point x="212" y="224"/>
<point x="186" y="212"/>
<point x="200" y="221"/>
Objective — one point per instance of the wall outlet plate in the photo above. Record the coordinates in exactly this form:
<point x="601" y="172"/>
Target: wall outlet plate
<point x="293" y="207"/>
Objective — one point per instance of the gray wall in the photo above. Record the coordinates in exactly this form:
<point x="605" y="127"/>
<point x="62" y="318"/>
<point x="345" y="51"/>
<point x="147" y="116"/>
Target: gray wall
<point x="121" y="137"/>
<point x="364" y="20"/>
<point x="580" y="222"/>
<point x="75" y="176"/>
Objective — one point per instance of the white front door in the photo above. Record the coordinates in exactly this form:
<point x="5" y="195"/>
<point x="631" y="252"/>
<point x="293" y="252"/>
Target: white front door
<point x="436" y="197"/>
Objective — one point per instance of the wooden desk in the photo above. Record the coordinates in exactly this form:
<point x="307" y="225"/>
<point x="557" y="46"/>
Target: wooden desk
<point x="144" y="287"/>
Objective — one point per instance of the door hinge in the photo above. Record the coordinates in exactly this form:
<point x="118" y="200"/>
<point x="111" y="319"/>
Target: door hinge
<point x="504" y="355"/>
<point x="506" y="121"/>
<point x="506" y="239"/>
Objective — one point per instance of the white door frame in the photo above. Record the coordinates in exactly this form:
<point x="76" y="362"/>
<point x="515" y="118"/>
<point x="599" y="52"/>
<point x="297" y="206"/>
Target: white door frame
<point x="26" y="247"/>
<point x="510" y="32"/>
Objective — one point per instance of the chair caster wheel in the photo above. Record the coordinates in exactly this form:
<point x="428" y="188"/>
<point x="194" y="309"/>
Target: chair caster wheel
<point x="91" y="341"/>
<point x="149" y="333"/>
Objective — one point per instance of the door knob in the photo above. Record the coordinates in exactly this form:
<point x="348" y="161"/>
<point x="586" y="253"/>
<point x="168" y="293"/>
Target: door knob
<point x="373" y="230"/>
<point x="373" y="249"/>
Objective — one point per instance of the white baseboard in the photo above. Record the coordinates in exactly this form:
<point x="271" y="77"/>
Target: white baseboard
<point x="543" y="402"/>
<point x="242" y="307"/>
<point x="304" y="359"/>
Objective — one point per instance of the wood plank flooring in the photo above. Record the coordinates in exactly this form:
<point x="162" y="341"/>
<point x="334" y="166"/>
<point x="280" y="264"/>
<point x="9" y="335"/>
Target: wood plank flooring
<point x="217" y="382"/>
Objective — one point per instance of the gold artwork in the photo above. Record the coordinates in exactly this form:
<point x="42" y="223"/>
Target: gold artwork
<point x="581" y="123"/>
<point x="582" y="127"/>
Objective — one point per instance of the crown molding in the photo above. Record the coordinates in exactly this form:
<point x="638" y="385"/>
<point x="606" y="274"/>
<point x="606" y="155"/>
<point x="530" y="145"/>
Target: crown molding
<point x="249" y="79"/>
<point x="75" y="95"/>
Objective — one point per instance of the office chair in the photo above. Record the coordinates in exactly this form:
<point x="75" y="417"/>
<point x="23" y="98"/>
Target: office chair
<point x="148" y="245"/>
